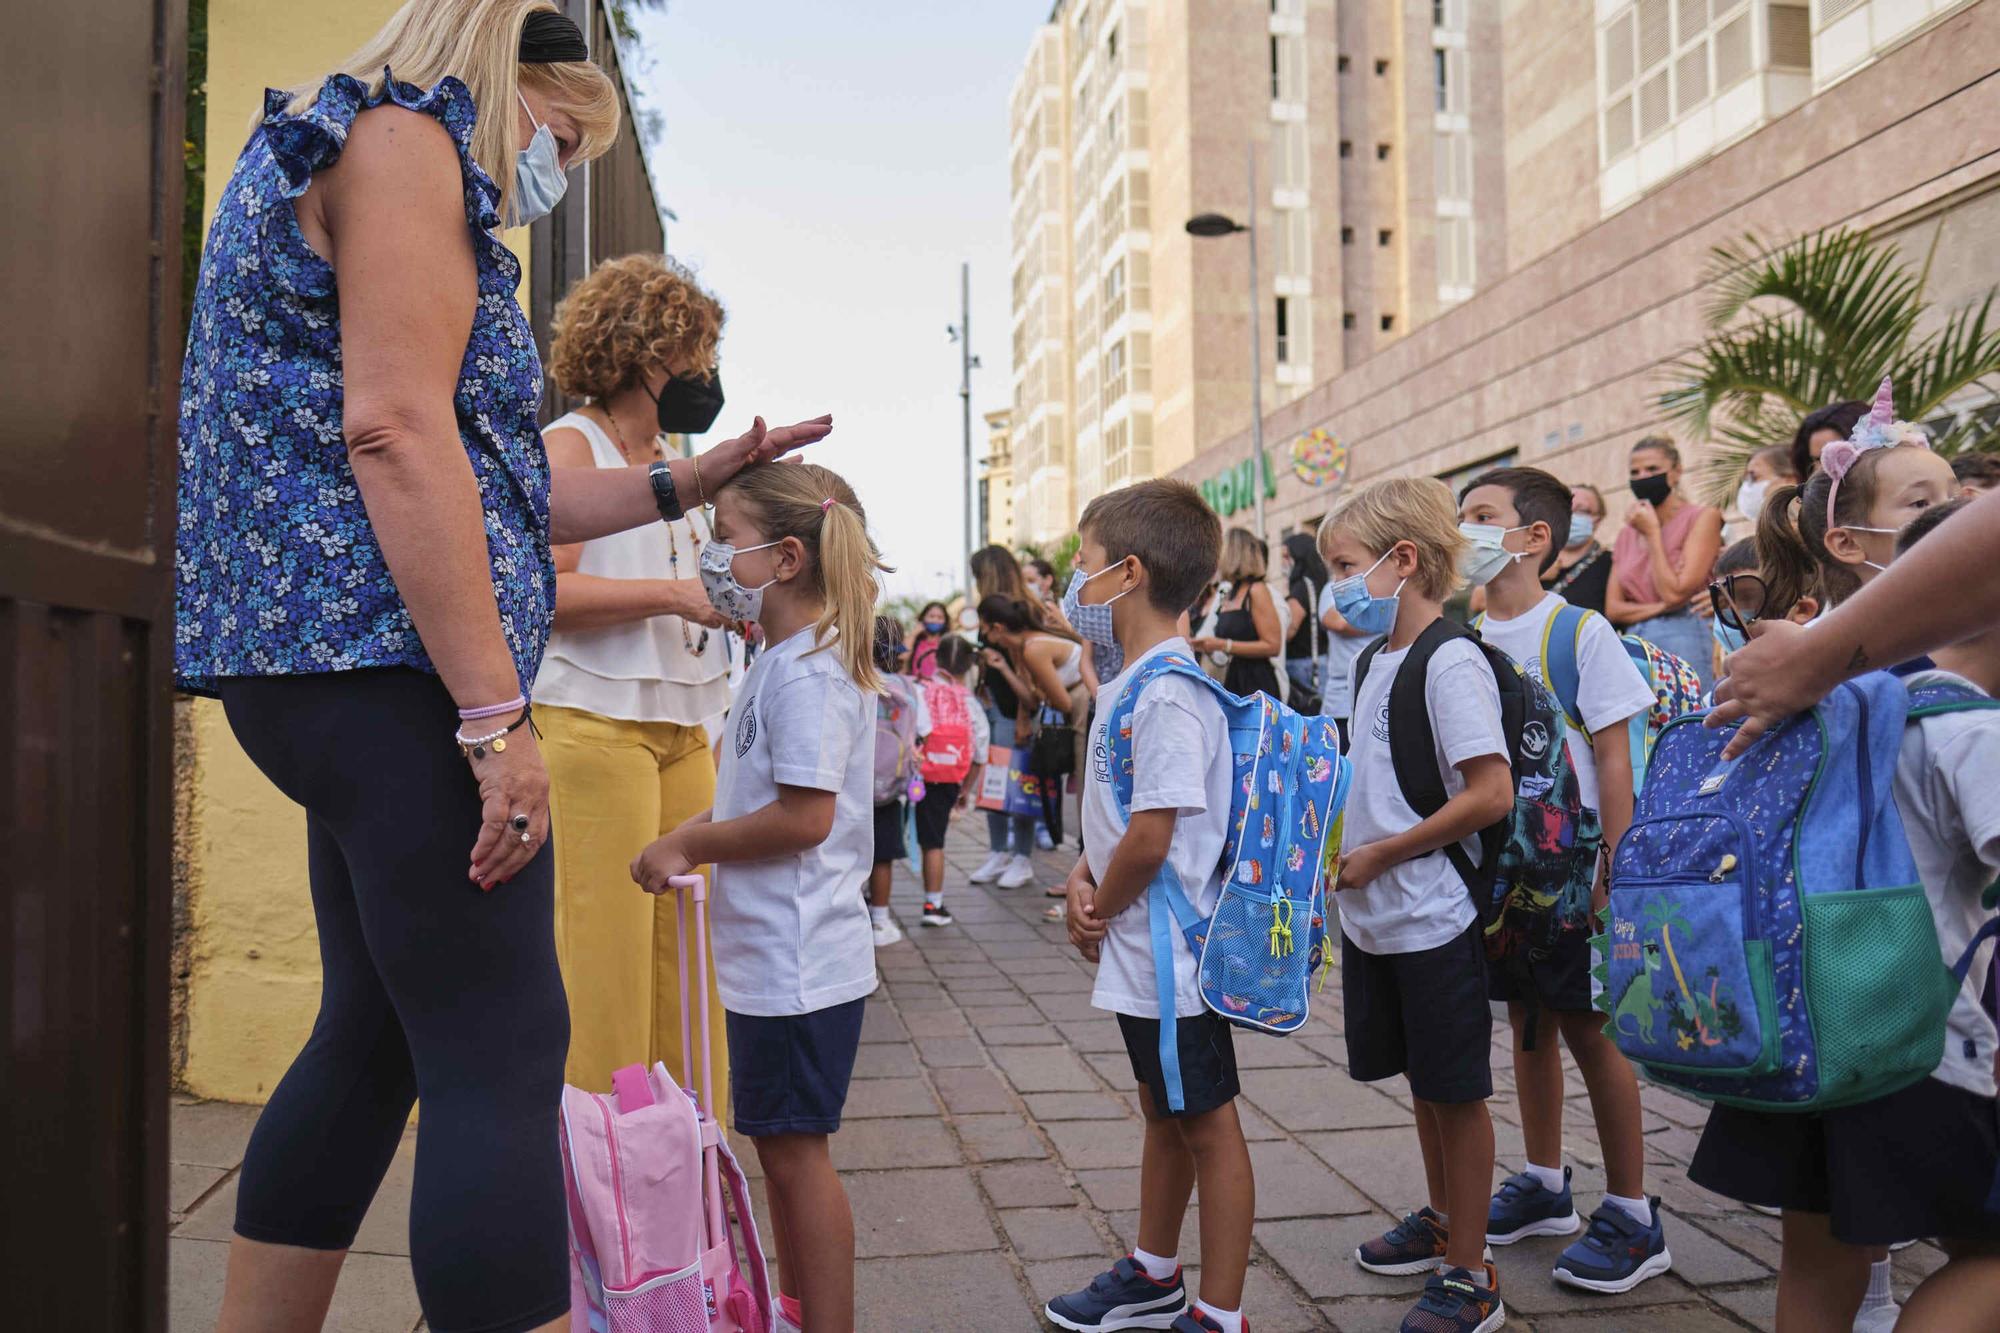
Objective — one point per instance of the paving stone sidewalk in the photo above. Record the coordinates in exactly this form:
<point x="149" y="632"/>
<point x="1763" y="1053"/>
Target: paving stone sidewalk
<point x="991" y="1149"/>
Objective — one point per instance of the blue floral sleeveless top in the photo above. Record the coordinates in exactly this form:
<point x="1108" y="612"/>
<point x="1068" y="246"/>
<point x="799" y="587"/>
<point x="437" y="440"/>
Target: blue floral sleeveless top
<point x="277" y="570"/>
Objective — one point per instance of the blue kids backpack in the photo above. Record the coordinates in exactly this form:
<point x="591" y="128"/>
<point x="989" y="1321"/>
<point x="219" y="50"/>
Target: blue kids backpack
<point x="1290" y="786"/>
<point x="1768" y="943"/>
<point x="1676" y="688"/>
<point x="1538" y="864"/>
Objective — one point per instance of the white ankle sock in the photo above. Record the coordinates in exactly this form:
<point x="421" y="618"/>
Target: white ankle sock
<point x="1550" y="1176"/>
<point x="878" y="915"/>
<point x="1229" y="1321"/>
<point x="1639" y="1210"/>
<point x="1881" y="1291"/>
<point x="934" y="900"/>
<point x="1157" y="1268"/>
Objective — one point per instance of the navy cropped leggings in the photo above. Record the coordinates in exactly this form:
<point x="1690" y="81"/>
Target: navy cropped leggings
<point x="434" y="992"/>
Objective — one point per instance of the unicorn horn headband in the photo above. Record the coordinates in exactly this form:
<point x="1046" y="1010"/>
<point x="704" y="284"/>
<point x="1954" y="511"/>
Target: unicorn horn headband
<point x="1878" y="430"/>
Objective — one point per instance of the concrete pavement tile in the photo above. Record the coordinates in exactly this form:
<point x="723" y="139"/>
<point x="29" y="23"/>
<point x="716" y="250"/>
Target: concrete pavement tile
<point x="941" y="1022"/>
<point x="1058" y="983"/>
<point x="186" y="1185"/>
<point x="1689" y="1318"/>
<point x="1271" y="1306"/>
<point x="967" y="1091"/>
<point x="984" y="1016"/>
<point x="1043" y="1069"/>
<point x="1753" y="1233"/>
<point x="1329" y="1047"/>
<point x="1023" y="1034"/>
<point x="1065" y="1007"/>
<point x="999" y="1138"/>
<point x="916" y="994"/>
<point x="1757" y="1303"/>
<point x="1319" y="1098"/>
<point x="1257" y="1050"/>
<point x="196" y="1270"/>
<point x="880" y="1023"/>
<point x="1093" y="1036"/>
<point x="375" y="1295"/>
<point x="1047" y="1107"/>
<point x="1291" y="1182"/>
<point x="1084" y="1144"/>
<point x="1703" y="1259"/>
<point x="215" y="1217"/>
<point x="1114" y="1069"/>
<point x="967" y="989"/>
<point x="968" y="969"/>
<point x="1026" y="1185"/>
<point x="1319" y="1256"/>
<point x="951" y="1052"/>
<point x="1370" y="1314"/>
<point x="1050" y="1233"/>
<point x="917" y="1212"/>
<point x="209" y="1133"/>
<point x="386" y="1228"/>
<point x="874" y="1097"/>
<point x="1383" y="1164"/>
<point x="977" y="1290"/>
<point x="885" y="1060"/>
<point x="1668" y="1104"/>
<point x="1032" y="958"/>
<point x="1111" y="1189"/>
<point x="879" y="1145"/>
<point x="1255" y="1126"/>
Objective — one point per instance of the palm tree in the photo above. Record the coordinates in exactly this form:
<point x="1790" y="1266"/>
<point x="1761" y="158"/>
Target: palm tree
<point x="1666" y="913"/>
<point x="1797" y="326"/>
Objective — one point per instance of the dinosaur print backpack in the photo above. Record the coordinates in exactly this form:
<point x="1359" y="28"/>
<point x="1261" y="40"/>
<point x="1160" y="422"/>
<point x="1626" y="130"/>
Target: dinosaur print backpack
<point x="1290" y="787"/>
<point x="1768" y="943"/>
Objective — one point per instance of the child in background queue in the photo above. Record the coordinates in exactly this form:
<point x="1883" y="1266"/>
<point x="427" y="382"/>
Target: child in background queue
<point x="954" y="759"/>
<point x="1146" y="550"/>
<point x="1513" y="518"/>
<point x="1413" y="963"/>
<point x="791" y="842"/>
<point x="933" y="622"/>
<point x="901" y="723"/>
<point x="1922" y="1161"/>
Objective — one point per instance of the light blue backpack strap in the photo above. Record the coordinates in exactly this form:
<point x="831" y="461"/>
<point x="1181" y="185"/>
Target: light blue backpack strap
<point x="1560" y="669"/>
<point x="1167" y="907"/>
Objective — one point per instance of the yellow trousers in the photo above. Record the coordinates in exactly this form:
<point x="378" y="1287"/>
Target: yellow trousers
<point x="616" y="786"/>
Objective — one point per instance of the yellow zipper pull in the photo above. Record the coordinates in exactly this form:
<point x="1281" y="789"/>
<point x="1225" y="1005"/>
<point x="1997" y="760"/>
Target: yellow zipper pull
<point x="1723" y="867"/>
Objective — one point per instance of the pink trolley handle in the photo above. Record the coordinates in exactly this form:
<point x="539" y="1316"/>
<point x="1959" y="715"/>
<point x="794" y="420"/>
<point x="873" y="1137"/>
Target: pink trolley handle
<point x="697" y="888"/>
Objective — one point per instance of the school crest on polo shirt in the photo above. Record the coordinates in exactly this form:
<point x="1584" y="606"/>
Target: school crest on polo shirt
<point x="746" y="727"/>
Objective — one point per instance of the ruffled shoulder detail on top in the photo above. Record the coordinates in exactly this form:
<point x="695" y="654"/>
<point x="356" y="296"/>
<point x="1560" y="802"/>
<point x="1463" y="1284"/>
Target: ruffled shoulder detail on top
<point x="312" y="139"/>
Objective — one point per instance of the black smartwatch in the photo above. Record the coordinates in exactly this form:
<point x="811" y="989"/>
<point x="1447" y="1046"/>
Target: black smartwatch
<point x="664" y="493"/>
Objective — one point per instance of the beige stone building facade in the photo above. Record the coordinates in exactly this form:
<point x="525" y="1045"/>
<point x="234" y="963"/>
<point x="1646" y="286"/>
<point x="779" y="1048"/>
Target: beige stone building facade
<point x="1558" y="363"/>
<point x="1380" y="201"/>
<point x="996" y="482"/>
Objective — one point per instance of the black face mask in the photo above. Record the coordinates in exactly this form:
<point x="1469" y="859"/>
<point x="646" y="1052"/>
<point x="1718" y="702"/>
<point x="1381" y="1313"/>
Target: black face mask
<point x="1654" y="489"/>
<point x="689" y="404"/>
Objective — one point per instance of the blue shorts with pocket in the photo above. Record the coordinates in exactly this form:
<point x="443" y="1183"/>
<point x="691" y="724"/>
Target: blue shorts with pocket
<point x="788" y="1074"/>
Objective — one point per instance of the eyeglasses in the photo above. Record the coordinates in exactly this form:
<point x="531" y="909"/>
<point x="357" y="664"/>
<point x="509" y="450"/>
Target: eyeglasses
<point x="1738" y="601"/>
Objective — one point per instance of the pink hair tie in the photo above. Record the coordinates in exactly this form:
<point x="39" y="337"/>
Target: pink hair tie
<point x="1878" y="430"/>
<point x="826" y="504"/>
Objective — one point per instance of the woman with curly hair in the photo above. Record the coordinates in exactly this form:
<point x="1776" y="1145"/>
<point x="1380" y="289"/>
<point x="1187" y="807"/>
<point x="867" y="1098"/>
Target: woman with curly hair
<point x="638" y="665"/>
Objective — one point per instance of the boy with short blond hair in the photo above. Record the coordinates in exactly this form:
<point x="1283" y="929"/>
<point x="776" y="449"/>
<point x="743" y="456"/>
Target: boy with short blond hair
<point x="1147" y="551"/>
<point x="1413" y="962"/>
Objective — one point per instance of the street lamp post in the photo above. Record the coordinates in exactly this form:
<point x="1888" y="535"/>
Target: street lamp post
<point x="1217" y="224"/>
<point x="961" y="333"/>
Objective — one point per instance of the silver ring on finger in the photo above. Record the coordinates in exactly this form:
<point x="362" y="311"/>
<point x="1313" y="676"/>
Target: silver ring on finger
<point x="527" y="837"/>
<point x="520" y="826"/>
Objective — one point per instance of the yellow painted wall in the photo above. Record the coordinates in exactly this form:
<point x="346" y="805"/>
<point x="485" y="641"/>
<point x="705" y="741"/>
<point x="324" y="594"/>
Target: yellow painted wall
<point x="251" y="951"/>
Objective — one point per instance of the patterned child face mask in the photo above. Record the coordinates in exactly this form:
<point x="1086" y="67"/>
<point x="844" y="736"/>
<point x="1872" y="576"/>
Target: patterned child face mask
<point x="1092" y="622"/>
<point x="718" y="580"/>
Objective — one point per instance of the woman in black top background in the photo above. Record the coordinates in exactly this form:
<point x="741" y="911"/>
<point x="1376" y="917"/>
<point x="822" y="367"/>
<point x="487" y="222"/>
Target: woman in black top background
<point x="1246" y="621"/>
<point x="1305" y="576"/>
<point x="1582" y="571"/>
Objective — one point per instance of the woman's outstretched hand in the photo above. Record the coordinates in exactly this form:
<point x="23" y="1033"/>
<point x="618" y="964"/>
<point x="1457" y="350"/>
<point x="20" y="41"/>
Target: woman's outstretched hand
<point x="759" y="444"/>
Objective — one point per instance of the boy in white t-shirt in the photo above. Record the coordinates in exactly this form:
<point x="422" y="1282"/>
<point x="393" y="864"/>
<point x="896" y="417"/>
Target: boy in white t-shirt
<point x="1514" y="518"/>
<point x="1146" y="552"/>
<point x="1413" y="963"/>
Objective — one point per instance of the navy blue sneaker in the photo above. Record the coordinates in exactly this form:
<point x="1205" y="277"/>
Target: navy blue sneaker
<point x="1523" y="1207"/>
<point x="1194" y="1321"/>
<point x="1123" y="1297"/>
<point x="1617" y="1253"/>
<point x="1453" y="1303"/>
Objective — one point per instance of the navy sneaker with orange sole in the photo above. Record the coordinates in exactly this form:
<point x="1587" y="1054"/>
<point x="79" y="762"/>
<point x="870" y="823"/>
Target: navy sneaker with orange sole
<point x="1121" y="1297"/>
<point x="1453" y="1303"/>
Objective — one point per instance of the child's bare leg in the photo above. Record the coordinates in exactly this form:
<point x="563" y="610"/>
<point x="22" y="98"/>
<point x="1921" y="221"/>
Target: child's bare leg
<point x="781" y="1239"/>
<point x="878" y="883"/>
<point x="1464" y="1139"/>
<point x="1228" y="1202"/>
<point x="1432" y="1148"/>
<point x="818" y="1268"/>
<point x="1962" y="1296"/>
<point x="1821" y="1280"/>
<point x="1614" y="1101"/>
<point x="1166" y="1179"/>
<point x="934" y="873"/>
<point x="1538" y="1075"/>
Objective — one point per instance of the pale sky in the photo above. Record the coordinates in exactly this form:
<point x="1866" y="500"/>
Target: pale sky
<point x="831" y="164"/>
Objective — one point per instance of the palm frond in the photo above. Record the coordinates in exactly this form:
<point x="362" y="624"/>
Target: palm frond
<point x="1960" y="353"/>
<point x="1860" y="296"/>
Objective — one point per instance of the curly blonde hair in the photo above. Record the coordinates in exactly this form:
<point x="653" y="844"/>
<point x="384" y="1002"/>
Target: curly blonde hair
<point x="627" y="317"/>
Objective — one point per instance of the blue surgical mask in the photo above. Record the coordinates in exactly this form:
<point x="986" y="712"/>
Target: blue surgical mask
<point x="1363" y="609"/>
<point x="539" y="180"/>
<point x="1581" y="528"/>
<point x="1092" y="622"/>
<point x="1728" y="638"/>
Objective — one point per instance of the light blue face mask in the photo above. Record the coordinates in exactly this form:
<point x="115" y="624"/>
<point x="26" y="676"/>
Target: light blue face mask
<point x="1581" y="528"/>
<point x="1729" y="638"/>
<point x="539" y="179"/>
<point x="1363" y="609"/>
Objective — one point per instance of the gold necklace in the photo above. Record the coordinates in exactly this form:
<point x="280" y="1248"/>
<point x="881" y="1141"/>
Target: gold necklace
<point x="695" y="646"/>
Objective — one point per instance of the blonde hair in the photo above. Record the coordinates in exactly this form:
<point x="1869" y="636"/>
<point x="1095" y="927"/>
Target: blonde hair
<point x="478" y="42"/>
<point x="629" y="316"/>
<point x="790" y="500"/>
<point x="1418" y="510"/>
<point x="1245" y="556"/>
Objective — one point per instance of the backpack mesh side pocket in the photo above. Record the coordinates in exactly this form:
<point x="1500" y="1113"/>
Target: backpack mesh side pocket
<point x="1877" y="989"/>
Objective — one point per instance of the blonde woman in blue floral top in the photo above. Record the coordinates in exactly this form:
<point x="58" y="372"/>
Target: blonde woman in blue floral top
<point x="364" y="578"/>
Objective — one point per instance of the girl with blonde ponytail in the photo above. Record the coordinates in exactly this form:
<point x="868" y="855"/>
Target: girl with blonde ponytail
<point x="792" y="841"/>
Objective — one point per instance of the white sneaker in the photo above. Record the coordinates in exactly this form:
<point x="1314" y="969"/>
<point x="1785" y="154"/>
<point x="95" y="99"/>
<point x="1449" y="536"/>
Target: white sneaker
<point x="989" y="869"/>
<point x="886" y="934"/>
<point x="1020" y="873"/>
<point x="1042" y="838"/>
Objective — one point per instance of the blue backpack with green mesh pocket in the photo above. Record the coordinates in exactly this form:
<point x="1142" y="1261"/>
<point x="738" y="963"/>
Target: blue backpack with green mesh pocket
<point x="1768" y="943"/>
<point x="1289" y="786"/>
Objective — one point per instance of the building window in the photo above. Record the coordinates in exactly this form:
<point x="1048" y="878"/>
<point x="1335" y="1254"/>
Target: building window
<point x="1347" y="235"/>
<point x="1347" y="319"/>
<point x="1381" y="152"/>
<point x="1284" y="333"/>
<point x="1111" y="44"/>
<point x="1275" y="61"/>
<point x="1340" y="65"/>
<point x="1441" y="71"/>
<point x="1346" y="148"/>
<point x="1384" y="236"/>
<point x="1381" y="67"/>
<point x="1388" y="323"/>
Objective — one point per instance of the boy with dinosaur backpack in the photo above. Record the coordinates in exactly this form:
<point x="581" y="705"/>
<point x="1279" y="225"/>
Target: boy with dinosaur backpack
<point x="1413" y="958"/>
<point x="1511" y="517"/>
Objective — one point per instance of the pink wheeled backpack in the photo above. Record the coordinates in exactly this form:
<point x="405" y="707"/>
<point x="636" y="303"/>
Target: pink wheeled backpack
<point x="653" y="1247"/>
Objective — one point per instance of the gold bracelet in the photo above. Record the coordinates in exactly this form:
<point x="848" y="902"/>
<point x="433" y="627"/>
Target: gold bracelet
<point x="700" y="491"/>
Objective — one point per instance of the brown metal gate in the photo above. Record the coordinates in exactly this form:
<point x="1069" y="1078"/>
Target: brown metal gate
<point x="90" y="347"/>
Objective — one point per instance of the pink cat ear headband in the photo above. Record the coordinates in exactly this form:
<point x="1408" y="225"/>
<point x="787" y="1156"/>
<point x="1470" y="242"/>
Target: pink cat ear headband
<point x="1878" y="430"/>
